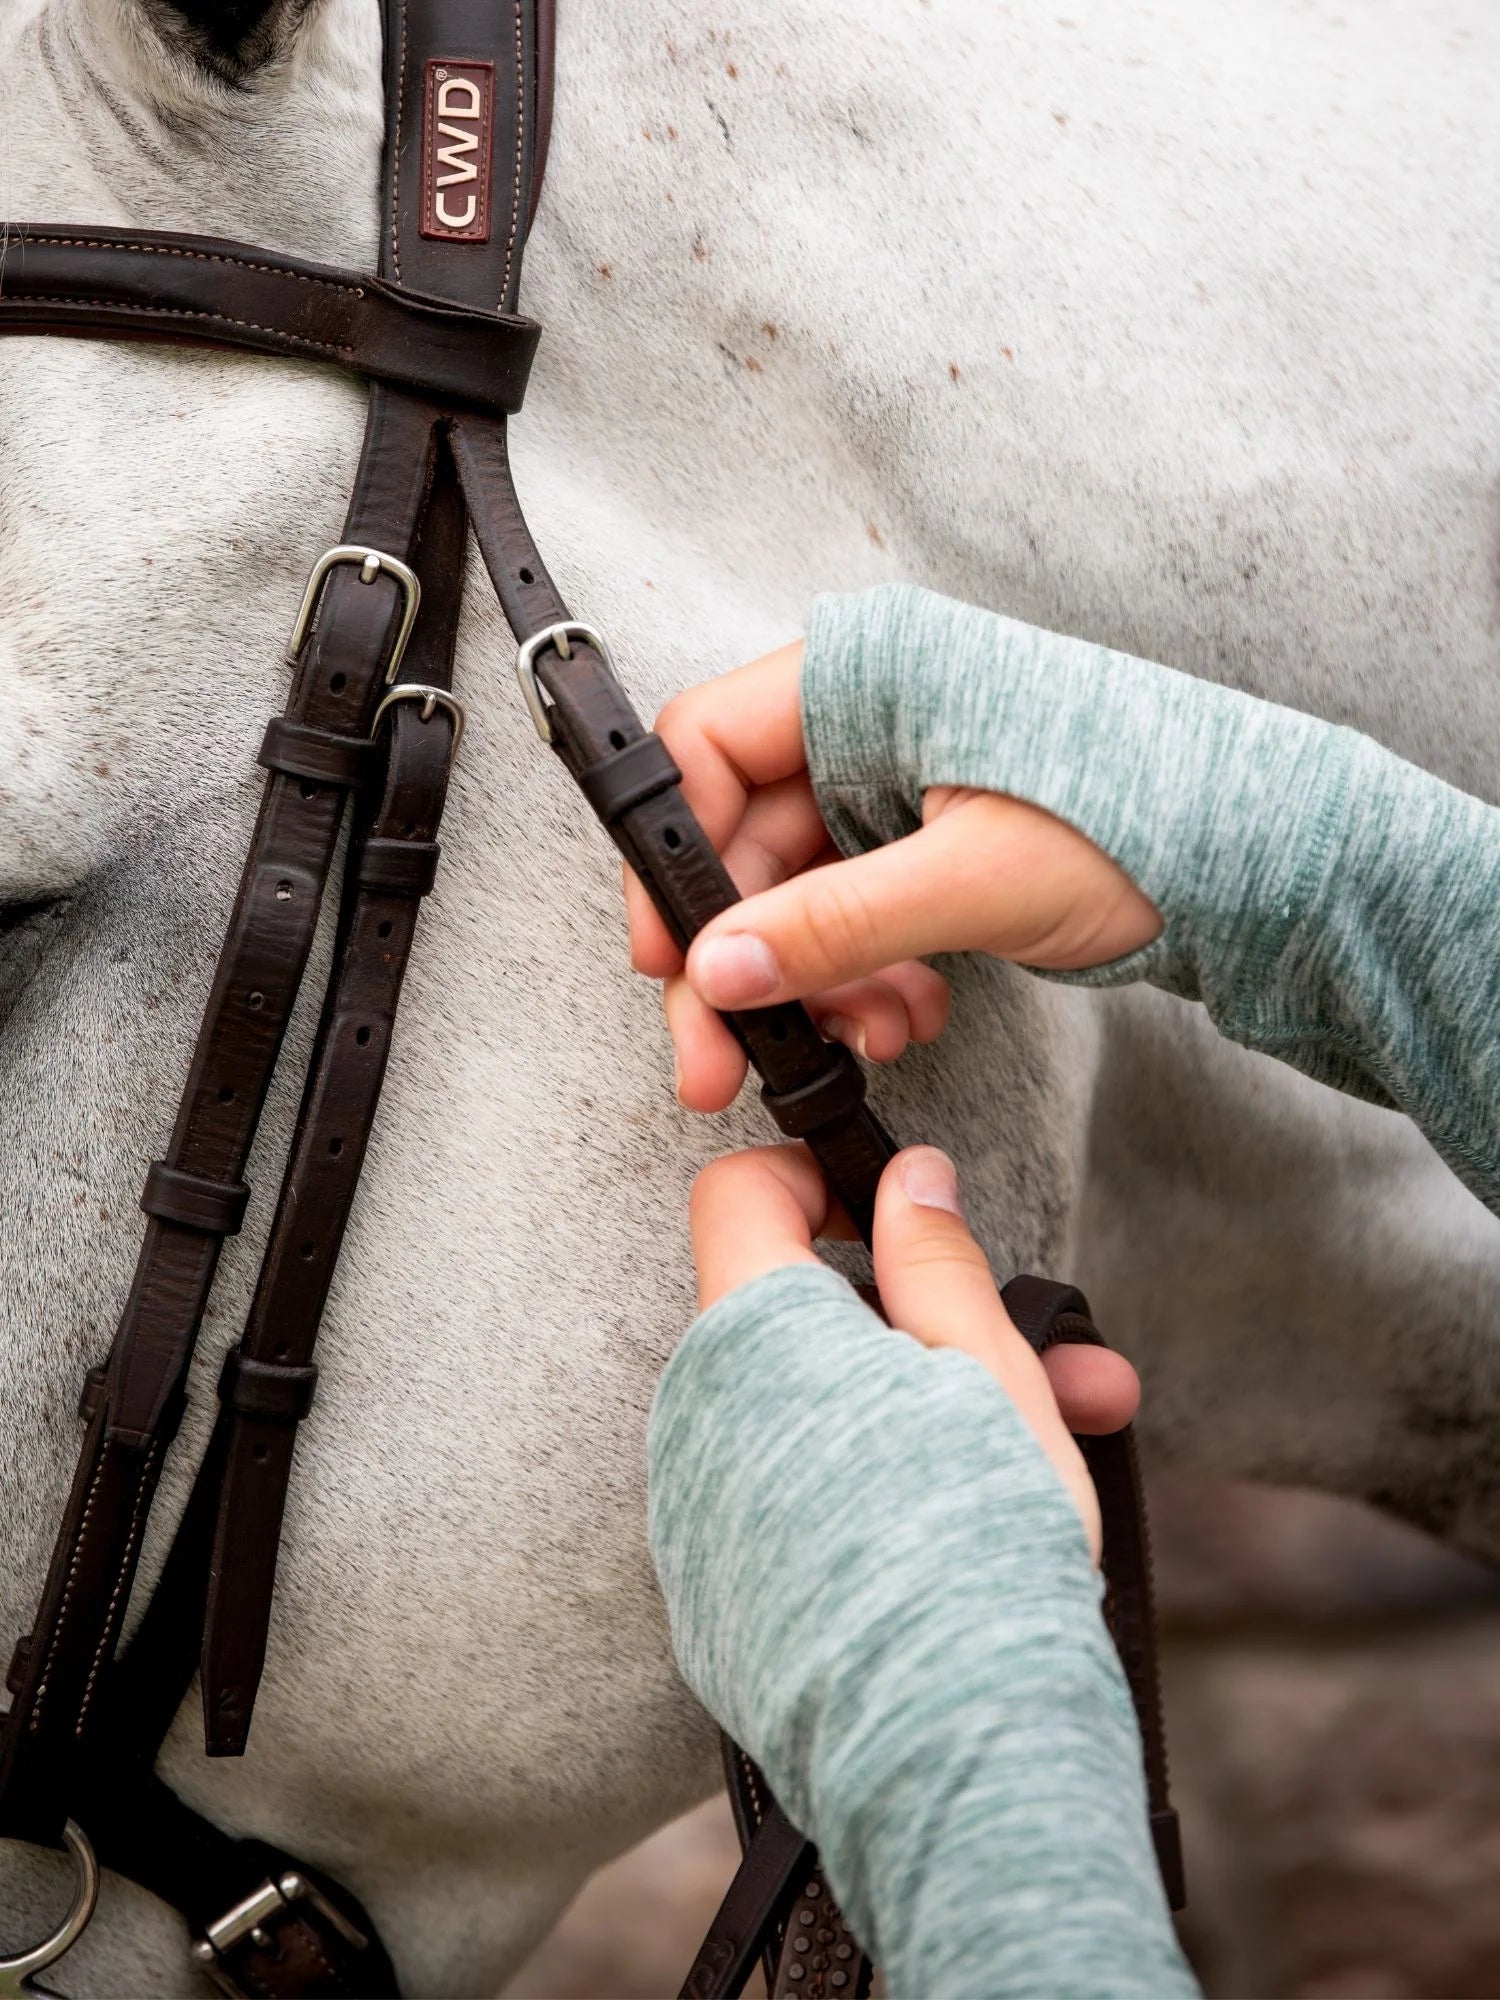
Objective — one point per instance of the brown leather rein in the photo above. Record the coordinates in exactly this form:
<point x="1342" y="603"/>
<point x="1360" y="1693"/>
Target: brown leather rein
<point x="370" y="730"/>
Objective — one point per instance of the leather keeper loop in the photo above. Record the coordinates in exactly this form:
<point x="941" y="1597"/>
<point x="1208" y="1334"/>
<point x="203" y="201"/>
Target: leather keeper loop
<point x="20" y="1664"/>
<point x="837" y="1092"/>
<point x="397" y="867"/>
<point x="315" y="753"/>
<point x="174" y="1195"/>
<point x="280" y="1392"/>
<point x="92" y="1393"/>
<point x="629" y="778"/>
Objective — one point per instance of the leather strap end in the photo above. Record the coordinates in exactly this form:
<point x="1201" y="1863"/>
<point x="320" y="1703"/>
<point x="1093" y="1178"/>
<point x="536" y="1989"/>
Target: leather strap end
<point x="1166" y="1837"/>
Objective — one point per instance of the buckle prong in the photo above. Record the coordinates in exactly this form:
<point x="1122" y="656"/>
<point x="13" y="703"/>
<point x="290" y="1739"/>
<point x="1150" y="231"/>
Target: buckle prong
<point x="247" y="1922"/>
<point x="559" y="637"/>
<point x="430" y="698"/>
<point x="372" y="563"/>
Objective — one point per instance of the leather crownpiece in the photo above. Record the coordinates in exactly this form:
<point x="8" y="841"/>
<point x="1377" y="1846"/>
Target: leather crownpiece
<point x="458" y="117"/>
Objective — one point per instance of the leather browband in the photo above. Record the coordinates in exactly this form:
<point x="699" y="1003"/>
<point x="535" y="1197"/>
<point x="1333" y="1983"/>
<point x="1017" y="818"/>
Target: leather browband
<point x="208" y="291"/>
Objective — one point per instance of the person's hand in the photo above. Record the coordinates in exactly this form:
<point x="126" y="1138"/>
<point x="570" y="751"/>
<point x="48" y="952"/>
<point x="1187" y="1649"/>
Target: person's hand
<point x="985" y="873"/>
<point x="758" y="1211"/>
<point x="761" y="1211"/>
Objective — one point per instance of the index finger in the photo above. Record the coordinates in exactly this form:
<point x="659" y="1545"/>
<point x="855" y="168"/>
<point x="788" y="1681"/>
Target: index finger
<point x="729" y="737"/>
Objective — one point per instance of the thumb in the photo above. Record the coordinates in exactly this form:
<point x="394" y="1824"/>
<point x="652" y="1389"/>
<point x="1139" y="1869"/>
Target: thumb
<point x="985" y="874"/>
<point x="837" y="923"/>
<point x="935" y="1283"/>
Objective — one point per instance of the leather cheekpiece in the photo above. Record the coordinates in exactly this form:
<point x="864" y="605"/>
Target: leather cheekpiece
<point x="172" y="1194"/>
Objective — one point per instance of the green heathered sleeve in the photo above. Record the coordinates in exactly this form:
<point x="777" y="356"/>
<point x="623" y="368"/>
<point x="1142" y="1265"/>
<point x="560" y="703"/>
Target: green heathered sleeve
<point x="878" y="1584"/>
<point x="1328" y="903"/>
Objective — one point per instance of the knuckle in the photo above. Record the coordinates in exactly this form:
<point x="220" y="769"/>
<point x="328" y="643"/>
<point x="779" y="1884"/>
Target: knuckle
<point x="842" y="928"/>
<point x="713" y="1183"/>
<point x="950" y="1252"/>
<point x="680" y="720"/>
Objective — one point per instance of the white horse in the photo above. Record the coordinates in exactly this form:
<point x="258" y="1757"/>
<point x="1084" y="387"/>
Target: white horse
<point x="1170" y="325"/>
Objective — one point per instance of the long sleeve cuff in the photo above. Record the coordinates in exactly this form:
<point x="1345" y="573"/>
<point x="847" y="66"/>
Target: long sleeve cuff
<point x="879" y="1585"/>
<point x="1329" y="903"/>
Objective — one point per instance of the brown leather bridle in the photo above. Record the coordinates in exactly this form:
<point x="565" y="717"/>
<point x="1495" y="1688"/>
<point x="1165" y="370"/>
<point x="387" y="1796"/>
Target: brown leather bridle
<point x="370" y="730"/>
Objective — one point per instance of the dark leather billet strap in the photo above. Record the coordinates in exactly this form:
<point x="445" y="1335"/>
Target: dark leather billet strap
<point x="1045" y="1313"/>
<point x="377" y="923"/>
<point x="814" y="1088"/>
<point x="334" y="686"/>
<point x="204" y="290"/>
<point x="756" y="1904"/>
<point x="807" y="1947"/>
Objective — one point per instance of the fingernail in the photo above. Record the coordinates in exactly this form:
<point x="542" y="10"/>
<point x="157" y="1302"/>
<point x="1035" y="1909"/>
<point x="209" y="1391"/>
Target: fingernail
<point x="677" y="1075"/>
<point x="736" y="970"/>
<point x="930" y="1179"/>
<point x="842" y="1028"/>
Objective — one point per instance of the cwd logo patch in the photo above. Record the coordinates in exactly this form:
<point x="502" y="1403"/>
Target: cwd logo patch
<point x="458" y="116"/>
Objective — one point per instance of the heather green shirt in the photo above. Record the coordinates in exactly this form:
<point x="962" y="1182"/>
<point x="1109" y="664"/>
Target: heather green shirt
<point x="876" y="1581"/>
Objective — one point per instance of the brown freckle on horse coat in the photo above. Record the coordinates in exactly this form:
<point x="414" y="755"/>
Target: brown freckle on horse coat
<point x="730" y="70"/>
<point x="1009" y="353"/>
<point x="755" y="367"/>
<point x="769" y="328"/>
<point x="953" y="371"/>
<point x="671" y="131"/>
<point x="701" y="250"/>
<point x="874" y="534"/>
<point x="1061" y="117"/>
<point x="646" y="134"/>
<point x="605" y="273"/>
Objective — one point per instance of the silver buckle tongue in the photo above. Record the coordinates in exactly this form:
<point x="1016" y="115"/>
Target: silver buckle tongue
<point x="372" y="563"/>
<point x="16" y="1974"/>
<point x="431" y="698"/>
<point x="559" y="636"/>
<point x="248" y="1919"/>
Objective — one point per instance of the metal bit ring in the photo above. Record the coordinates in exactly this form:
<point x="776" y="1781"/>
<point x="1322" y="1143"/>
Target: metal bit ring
<point x="16" y="1973"/>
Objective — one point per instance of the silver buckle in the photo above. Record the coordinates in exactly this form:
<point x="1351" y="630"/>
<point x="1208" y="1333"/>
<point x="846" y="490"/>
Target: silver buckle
<point x="248" y="1919"/>
<point x="559" y="636"/>
<point x="16" y="1973"/>
<point x="430" y="698"/>
<point x="372" y="563"/>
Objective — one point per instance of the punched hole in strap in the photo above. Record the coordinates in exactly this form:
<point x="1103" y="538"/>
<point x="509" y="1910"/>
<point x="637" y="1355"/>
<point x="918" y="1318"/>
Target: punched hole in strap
<point x="192" y="1200"/>
<point x="319" y="754"/>
<point x="617" y="784"/>
<point x="834" y="1093"/>
<point x="278" y="1391"/>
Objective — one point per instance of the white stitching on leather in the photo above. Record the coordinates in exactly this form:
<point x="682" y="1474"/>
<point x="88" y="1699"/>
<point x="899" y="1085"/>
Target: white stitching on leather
<point x="201" y="256"/>
<point x="515" y="206"/>
<point x="396" y="155"/>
